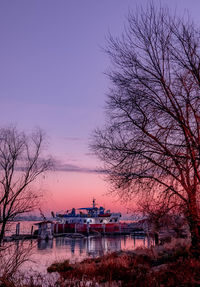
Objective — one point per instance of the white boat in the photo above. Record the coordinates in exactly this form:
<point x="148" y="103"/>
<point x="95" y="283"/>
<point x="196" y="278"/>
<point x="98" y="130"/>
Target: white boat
<point x="87" y="218"/>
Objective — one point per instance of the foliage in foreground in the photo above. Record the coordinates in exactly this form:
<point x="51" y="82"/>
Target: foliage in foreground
<point x="160" y="266"/>
<point x="169" y="265"/>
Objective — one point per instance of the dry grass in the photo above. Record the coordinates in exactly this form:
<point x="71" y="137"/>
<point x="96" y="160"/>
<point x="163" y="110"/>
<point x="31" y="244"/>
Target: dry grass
<point x="112" y="268"/>
<point x="30" y="280"/>
<point x="168" y="265"/>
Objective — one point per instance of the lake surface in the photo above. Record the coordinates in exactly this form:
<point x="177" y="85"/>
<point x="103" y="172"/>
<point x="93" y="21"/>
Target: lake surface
<point x="44" y="253"/>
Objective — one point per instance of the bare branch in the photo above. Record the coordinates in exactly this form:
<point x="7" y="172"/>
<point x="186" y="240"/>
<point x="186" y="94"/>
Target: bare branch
<point x="21" y="163"/>
<point x="151" y="140"/>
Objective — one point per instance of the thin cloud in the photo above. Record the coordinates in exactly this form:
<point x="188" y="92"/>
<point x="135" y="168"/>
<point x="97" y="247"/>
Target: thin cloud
<point x="73" y="139"/>
<point x="59" y="166"/>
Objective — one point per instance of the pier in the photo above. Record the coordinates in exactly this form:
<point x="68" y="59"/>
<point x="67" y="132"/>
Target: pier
<point x="47" y="230"/>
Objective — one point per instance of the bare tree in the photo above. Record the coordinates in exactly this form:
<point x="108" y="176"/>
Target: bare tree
<point x="20" y="165"/>
<point x="151" y="141"/>
<point x="12" y="257"/>
<point x="162" y="216"/>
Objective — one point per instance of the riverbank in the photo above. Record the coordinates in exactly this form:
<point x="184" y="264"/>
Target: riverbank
<point x="165" y="265"/>
<point x="41" y="253"/>
<point x="168" y="265"/>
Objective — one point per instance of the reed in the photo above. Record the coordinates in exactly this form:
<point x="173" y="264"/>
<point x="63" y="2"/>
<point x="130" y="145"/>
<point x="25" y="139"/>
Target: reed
<point x="168" y="265"/>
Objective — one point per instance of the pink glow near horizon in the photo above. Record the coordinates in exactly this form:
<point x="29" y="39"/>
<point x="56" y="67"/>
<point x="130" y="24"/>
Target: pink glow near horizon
<point x="52" y="76"/>
<point x="63" y="191"/>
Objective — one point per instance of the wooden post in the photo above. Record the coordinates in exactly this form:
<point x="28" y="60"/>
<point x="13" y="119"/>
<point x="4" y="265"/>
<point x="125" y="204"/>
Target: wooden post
<point x="32" y="230"/>
<point x="88" y="228"/>
<point x="104" y="228"/>
<point x="146" y="229"/>
<point x="17" y="228"/>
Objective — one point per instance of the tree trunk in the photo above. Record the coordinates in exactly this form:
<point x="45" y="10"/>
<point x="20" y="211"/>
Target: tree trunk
<point x="194" y="225"/>
<point x="2" y="231"/>
<point x="156" y="237"/>
<point x="195" y="238"/>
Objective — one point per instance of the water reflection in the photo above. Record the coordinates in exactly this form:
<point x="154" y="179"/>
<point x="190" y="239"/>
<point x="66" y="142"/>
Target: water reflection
<point x="43" y="244"/>
<point x="93" y="246"/>
<point x="77" y="249"/>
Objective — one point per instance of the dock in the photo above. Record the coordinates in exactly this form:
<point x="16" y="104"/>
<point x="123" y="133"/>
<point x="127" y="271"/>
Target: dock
<point x="15" y="237"/>
<point x="48" y="230"/>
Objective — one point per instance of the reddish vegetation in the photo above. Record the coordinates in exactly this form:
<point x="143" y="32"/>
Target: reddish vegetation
<point x="180" y="273"/>
<point x="163" y="267"/>
<point x="169" y="265"/>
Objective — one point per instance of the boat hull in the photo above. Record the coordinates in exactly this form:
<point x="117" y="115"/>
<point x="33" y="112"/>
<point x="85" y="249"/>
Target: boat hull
<point x="87" y="228"/>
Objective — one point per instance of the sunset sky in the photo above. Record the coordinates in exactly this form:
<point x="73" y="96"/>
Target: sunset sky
<point x="52" y="76"/>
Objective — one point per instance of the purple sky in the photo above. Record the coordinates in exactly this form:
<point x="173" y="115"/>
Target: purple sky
<point x="52" y="67"/>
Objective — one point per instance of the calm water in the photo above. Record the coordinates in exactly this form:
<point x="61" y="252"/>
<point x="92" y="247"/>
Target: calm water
<point x="45" y="253"/>
<point x="75" y="249"/>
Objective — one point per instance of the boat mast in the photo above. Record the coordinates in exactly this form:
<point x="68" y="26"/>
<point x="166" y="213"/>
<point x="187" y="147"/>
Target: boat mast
<point x="94" y="204"/>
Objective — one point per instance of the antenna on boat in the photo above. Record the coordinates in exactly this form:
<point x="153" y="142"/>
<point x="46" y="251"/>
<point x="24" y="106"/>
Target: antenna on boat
<point x="94" y="203"/>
